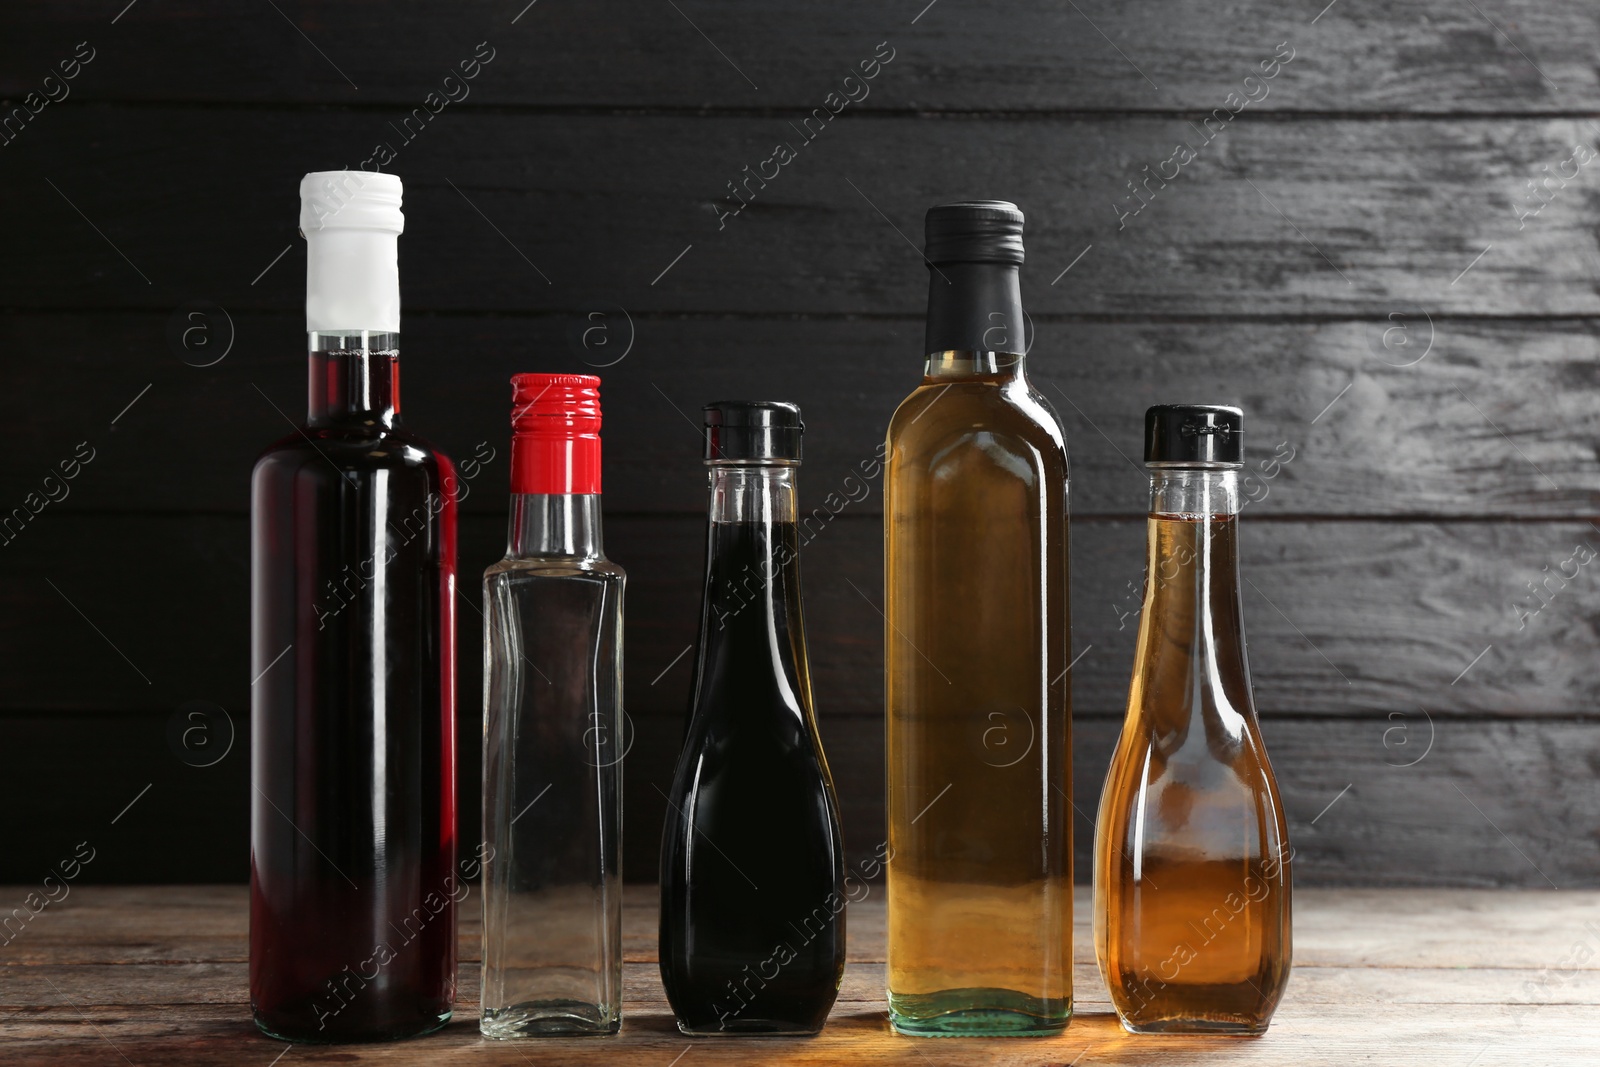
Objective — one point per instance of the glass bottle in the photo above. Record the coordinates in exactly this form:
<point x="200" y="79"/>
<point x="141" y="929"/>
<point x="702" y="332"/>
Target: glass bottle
<point x="977" y="648"/>
<point x="752" y="863"/>
<point x="553" y="731"/>
<point x="353" y="556"/>
<point x="1191" y="875"/>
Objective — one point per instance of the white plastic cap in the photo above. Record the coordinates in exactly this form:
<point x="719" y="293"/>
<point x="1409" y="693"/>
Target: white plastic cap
<point x="351" y="221"/>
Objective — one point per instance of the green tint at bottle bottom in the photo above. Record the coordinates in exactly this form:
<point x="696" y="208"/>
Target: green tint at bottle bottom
<point x="978" y="1013"/>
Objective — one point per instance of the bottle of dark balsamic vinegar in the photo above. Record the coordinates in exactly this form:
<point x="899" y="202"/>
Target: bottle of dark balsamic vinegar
<point x="353" y="559"/>
<point x="752" y="863"/>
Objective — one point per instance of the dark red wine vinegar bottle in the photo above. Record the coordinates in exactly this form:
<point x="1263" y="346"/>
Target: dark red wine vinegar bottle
<point x="752" y="864"/>
<point x="353" y="555"/>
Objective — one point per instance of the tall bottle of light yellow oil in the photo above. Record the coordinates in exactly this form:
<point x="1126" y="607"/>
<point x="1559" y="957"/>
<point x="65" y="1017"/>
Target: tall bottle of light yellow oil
<point x="977" y="649"/>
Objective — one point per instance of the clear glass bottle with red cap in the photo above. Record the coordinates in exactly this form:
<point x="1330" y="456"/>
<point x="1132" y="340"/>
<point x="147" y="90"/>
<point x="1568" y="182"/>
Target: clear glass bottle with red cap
<point x="553" y="732"/>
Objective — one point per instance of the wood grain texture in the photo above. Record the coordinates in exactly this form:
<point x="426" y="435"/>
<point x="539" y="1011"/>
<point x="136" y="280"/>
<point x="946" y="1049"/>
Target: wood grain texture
<point x="1314" y="217"/>
<point x="1433" y="929"/>
<point x="1365" y="212"/>
<point x="1375" y="799"/>
<point x="858" y="1033"/>
<point x="1343" y="617"/>
<point x="1420" y="977"/>
<point x="1414" y="55"/>
<point x="1494" y="419"/>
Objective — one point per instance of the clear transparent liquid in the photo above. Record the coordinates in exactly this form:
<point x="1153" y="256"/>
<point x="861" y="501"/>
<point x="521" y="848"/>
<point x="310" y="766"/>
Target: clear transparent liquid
<point x="554" y="741"/>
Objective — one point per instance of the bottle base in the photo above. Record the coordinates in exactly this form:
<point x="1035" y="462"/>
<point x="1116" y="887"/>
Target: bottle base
<point x="750" y="1028"/>
<point x="978" y="1013"/>
<point x="335" y="1036"/>
<point x="549" y="1018"/>
<point x="1197" y="1027"/>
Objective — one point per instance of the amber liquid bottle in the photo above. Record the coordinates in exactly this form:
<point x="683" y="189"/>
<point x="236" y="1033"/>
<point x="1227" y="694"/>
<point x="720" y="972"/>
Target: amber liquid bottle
<point x="977" y="645"/>
<point x="1191" y="875"/>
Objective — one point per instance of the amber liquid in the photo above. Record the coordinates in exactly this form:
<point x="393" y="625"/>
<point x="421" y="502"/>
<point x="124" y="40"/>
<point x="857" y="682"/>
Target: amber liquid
<point x="977" y="646"/>
<point x="1191" y="854"/>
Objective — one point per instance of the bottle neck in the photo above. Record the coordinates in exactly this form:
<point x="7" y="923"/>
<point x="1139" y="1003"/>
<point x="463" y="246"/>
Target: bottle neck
<point x="994" y="367"/>
<point x="1191" y="636"/>
<point x="975" y="308"/>
<point x="752" y="493"/>
<point x="1193" y="492"/>
<point x="1194" y="558"/>
<point x="354" y="378"/>
<point x="753" y="548"/>
<point x="552" y="525"/>
<point x="752" y="633"/>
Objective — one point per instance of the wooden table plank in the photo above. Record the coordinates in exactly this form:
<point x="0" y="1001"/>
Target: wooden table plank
<point x="1368" y="1028"/>
<point x="130" y="985"/>
<point x="1422" y="928"/>
<point x="1437" y="977"/>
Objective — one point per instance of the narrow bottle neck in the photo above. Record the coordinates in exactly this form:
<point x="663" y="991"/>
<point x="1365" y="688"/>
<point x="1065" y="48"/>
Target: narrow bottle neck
<point x="354" y="378"/>
<point x="975" y="308"/>
<point x="1193" y="557"/>
<point x="751" y="624"/>
<point x="992" y="367"/>
<point x="1192" y="597"/>
<point x="753" y="547"/>
<point x="549" y="525"/>
<point x="1193" y="492"/>
<point x="750" y="493"/>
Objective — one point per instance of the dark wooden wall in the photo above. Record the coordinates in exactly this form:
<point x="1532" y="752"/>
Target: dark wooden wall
<point x="1345" y="259"/>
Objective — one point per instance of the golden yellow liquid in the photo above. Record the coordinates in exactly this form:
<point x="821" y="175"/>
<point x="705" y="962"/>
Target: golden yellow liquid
<point x="977" y="646"/>
<point x="1192" y="925"/>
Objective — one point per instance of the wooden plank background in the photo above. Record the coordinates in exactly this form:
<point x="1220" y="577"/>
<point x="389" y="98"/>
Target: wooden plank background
<point x="1353" y="259"/>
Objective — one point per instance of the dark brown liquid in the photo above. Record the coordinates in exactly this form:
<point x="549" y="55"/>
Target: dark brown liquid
<point x="752" y="863"/>
<point x="1191" y="854"/>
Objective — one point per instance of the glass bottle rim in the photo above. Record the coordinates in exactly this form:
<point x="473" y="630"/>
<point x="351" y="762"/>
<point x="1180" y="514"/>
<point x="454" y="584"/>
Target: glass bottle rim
<point x="1191" y="465"/>
<point x="725" y="463"/>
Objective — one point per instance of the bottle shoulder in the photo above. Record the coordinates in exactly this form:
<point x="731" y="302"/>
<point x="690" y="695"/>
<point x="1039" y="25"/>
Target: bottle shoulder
<point x="513" y="571"/>
<point x="353" y="448"/>
<point x="942" y="420"/>
<point x="941" y="413"/>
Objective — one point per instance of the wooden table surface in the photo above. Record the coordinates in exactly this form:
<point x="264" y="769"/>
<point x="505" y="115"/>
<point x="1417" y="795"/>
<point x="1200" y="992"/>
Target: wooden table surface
<point x="1458" y="978"/>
